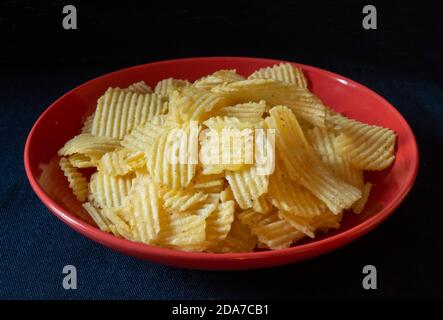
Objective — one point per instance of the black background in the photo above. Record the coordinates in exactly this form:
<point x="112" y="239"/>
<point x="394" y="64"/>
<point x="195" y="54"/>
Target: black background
<point x="401" y="60"/>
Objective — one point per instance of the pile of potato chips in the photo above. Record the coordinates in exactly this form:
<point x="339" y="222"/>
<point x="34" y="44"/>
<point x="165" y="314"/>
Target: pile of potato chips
<point x="164" y="178"/>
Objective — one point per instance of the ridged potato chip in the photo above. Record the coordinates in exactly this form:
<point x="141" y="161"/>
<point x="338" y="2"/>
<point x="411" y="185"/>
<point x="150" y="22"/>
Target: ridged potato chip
<point x="305" y="167"/>
<point x="360" y="204"/>
<point x="88" y="144"/>
<point x="249" y="112"/>
<point x="219" y="222"/>
<point x="182" y="231"/>
<point x="239" y="239"/>
<point x="182" y="200"/>
<point x="77" y="182"/>
<point x="102" y="222"/>
<point x="285" y="72"/>
<point x="87" y="125"/>
<point x="119" y="111"/>
<point x="217" y="78"/>
<point x="108" y="190"/>
<point x="140" y="87"/>
<point x="213" y="183"/>
<point x="166" y="86"/>
<point x="367" y="147"/>
<point x="80" y="160"/>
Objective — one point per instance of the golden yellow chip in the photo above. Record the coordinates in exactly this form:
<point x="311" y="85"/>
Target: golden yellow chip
<point x="182" y="231"/>
<point x="247" y="186"/>
<point x="262" y="205"/>
<point x="249" y="112"/>
<point x="108" y="190"/>
<point x="147" y="211"/>
<point x="302" y="102"/>
<point x="288" y="195"/>
<point x="322" y="141"/>
<point x="88" y="144"/>
<point x="217" y="78"/>
<point x="166" y="86"/>
<point x="213" y="183"/>
<point x="140" y="87"/>
<point x="303" y="165"/>
<point x="121" y="162"/>
<point x="239" y="239"/>
<point x="121" y="226"/>
<point x="119" y="111"/>
<point x="80" y="160"/>
<point x="182" y="200"/>
<point x="87" y="125"/>
<point x="77" y="182"/>
<point x="143" y="137"/>
<point x="173" y="157"/>
<point x="360" y="204"/>
<point x="218" y="223"/>
<point x="227" y="195"/>
<point x="285" y="72"/>
<point x="367" y="147"/>
<point x="101" y="221"/>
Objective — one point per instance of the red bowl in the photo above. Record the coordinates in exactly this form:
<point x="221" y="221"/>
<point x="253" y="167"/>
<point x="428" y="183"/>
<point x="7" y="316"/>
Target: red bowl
<point x="63" y="119"/>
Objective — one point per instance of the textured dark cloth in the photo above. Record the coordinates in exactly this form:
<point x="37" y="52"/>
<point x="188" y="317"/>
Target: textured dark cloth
<point x="407" y="249"/>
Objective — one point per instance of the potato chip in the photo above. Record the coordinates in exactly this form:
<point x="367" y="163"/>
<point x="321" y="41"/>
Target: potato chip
<point x="366" y="146"/>
<point x="80" y="160"/>
<point x="213" y="183"/>
<point x="226" y="195"/>
<point x="288" y="195"/>
<point x="305" y="167"/>
<point x="360" y="204"/>
<point x="143" y="137"/>
<point x="166" y="86"/>
<point x="239" y="239"/>
<point x="147" y="211"/>
<point x="262" y="205"/>
<point x="172" y="161"/>
<point x="247" y="186"/>
<point x="195" y="104"/>
<point x="96" y="215"/>
<point x="322" y="141"/>
<point x="252" y="218"/>
<point x="249" y="112"/>
<point x="218" y="223"/>
<point x="140" y="87"/>
<point x="122" y="228"/>
<point x="77" y="182"/>
<point x="87" y="125"/>
<point x="217" y="78"/>
<point x="276" y="233"/>
<point x="108" y="190"/>
<point x="119" y="111"/>
<point x="88" y="144"/>
<point x="182" y="200"/>
<point x="285" y="72"/>
<point x="182" y="230"/>
<point x="302" y="102"/>
<point x="120" y="162"/>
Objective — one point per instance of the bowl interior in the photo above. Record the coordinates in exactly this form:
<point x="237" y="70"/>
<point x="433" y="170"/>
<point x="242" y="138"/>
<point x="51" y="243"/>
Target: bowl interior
<point x="64" y="119"/>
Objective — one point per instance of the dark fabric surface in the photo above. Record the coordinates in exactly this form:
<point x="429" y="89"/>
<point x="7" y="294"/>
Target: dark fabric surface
<point x="398" y="62"/>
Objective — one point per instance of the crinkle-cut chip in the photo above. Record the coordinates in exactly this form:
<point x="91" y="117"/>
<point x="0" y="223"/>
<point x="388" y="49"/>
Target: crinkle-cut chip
<point x="303" y="165"/>
<point x="276" y="233"/>
<point x="285" y="72"/>
<point x="115" y="163"/>
<point x="202" y="208"/>
<point x="226" y="195"/>
<point x="119" y="111"/>
<point x="173" y="158"/>
<point x="195" y="104"/>
<point x="77" y="182"/>
<point x="252" y="218"/>
<point x="322" y="141"/>
<point x="226" y="122"/>
<point x="140" y="87"/>
<point x="182" y="230"/>
<point x="166" y="86"/>
<point x="136" y="160"/>
<point x="227" y="149"/>
<point x="143" y="137"/>
<point x="288" y="195"/>
<point x="262" y="205"/>
<point x="147" y="212"/>
<point x="80" y="160"/>
<point x="121" y="226"/>
<point x="302" y="102"/>
<point x="218" y="223"/>
<point x="247" y="186"/>
<point x="108" y="190"/>
<point x="182" y="200"/>
<point x="96" y="215"/>
<point x="239" y="239"/>
<point x="213" y="183"/>
<point x="88" y="144"/>
<point x="366" y="146"/>
<point x="217" y="78"/>
<point x="87" y="125"/>
<point x="249" y="112"/>
<point x="308" y="226"/>
<point x="360" y="204"/>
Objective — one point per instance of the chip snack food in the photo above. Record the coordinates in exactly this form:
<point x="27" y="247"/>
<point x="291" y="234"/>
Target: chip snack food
<point x="227" y="163"/>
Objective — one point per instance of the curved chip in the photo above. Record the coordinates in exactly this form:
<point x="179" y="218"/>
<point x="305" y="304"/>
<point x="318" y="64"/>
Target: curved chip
<point x="77" y="182"/>
<point x="88" y="144"/>
<point x="217" y="78"/>
<point x="140" y="87"/>
<point x="166" y="86"/>
<point x="239" y="239"/>
<point x="218" y="223"/>
<point x="108" y="190"/>
<point x="285" y="72"/>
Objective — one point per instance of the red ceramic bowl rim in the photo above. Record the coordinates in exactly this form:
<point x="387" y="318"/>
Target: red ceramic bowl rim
<point x="129" y="246"/>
